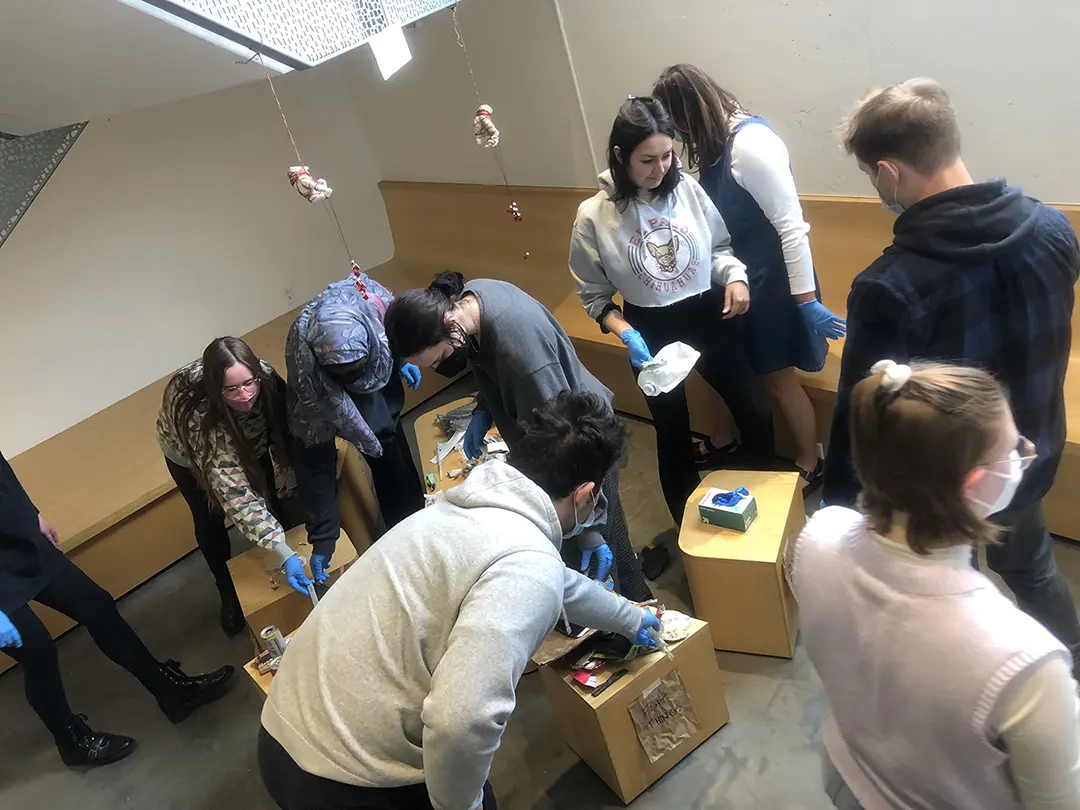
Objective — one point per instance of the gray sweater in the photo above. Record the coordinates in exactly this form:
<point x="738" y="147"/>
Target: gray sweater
<point x="406" y="671"/>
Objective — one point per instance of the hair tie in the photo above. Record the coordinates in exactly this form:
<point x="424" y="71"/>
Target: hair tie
<point x="894" y="376"/>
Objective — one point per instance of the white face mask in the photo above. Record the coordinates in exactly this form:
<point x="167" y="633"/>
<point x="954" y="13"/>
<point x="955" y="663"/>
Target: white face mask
<point x="895" y="205"/>
<point x="1012" y="478"/>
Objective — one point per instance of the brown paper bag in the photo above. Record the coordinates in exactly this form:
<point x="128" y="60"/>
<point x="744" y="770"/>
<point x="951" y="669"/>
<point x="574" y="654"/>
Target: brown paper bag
<point x="664" y="716"/>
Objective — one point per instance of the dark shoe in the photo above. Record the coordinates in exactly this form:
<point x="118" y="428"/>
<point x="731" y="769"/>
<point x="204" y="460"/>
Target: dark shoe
<point x="232" y="615"/>
<point x="184" y="693"/>
<point x="813" y="479"/>
<point x="708" y="456"/>
<point x="79" y="744"/>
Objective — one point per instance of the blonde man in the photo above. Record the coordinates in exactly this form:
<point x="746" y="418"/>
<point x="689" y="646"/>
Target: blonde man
<point x="977" y="274"/>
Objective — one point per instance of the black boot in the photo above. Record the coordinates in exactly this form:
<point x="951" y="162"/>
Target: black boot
<point x="232" y="615"/>
<point x="184" y="693"/>
<point x="79" y="744"/>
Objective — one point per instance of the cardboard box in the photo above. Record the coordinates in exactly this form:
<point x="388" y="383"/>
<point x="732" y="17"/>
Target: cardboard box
<point x="737" y="578"/>
<point x="737" y="517"/>
<point x="600" y="729"/>
<point x="264" y="605"/>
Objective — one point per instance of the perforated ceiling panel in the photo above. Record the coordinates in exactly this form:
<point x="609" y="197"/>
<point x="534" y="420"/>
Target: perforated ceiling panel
<point x="312" y="30"/>
<point x="25" y="164"/>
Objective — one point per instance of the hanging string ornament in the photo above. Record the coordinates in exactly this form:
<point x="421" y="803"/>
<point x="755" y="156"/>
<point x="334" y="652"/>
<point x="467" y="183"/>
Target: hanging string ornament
<point x="484" y="129"/>
<point x="310" y="189"/>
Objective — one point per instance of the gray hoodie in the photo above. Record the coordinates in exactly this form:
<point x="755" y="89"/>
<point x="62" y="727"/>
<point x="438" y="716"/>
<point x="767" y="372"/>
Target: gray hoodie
<point x="406" y="671"/>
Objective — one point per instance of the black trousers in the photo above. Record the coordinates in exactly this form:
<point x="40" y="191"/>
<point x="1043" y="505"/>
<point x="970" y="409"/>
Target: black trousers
<point x="723" y="364"/>
<point x="211" y="533"/>
<point x="293" y="788"/>
<point x="74" y="594"/>
<point x="1024" y="558"/>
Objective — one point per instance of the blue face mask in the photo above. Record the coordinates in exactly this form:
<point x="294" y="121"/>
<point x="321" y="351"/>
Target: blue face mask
<point x="895" y="205"/>
<point x="580" y="526"/>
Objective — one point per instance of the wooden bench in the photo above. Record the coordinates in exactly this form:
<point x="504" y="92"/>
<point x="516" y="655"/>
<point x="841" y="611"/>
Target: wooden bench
<point x="466" y="228"/>
<point x="103" y="485"/>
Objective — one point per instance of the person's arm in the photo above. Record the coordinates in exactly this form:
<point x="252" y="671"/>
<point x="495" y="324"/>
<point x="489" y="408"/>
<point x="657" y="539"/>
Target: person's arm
<point x="1039" y="725"/>
<point x="505" y="616"/>
<point x="590" y="604"/>
<point x="877" y="330"/>
<point x="245" y="507"/>
<point x="593" y="286"/>
<point x="760" y="164"/>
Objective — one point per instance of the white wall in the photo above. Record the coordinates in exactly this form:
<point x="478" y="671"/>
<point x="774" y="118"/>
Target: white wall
<point x="1009" y="69"/>
<point x="167" y="227"/>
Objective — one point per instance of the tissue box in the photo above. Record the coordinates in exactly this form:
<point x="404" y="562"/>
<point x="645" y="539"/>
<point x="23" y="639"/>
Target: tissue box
<point x="737" y="517"/>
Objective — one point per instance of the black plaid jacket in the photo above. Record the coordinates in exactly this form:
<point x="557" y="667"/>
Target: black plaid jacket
<point x="978" y="275"/>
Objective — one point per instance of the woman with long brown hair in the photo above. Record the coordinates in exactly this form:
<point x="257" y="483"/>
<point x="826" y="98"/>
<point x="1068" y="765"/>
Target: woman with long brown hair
<point x="223" y="430"/>
<point x="745" y="170"/>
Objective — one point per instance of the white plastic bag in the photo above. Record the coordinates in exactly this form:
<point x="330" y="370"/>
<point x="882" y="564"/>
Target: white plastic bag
<point x="669" y="367"/>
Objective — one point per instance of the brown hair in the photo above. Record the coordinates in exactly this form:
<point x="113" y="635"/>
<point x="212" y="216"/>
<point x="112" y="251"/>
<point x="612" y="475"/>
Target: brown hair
<point x="197" y="410"/>
<point x="913" y="447"/>
<point x="913" y="121"/>
<point x="700" y="110"/>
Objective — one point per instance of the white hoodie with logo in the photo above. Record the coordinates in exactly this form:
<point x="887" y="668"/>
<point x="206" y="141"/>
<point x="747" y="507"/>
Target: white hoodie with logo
<point x="654" y="252"/>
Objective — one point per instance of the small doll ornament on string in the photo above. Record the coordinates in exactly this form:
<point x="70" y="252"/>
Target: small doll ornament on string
<point x="310" y="189"/>
<point x="484" y="129"/>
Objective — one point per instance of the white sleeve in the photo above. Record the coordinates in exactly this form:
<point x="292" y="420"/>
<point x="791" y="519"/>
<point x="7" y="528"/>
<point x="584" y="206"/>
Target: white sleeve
<point x="1039" y="726"/>
<point x="593" y="286"/>
<point x="725" y="267"/>
<point x="761" y="165"/>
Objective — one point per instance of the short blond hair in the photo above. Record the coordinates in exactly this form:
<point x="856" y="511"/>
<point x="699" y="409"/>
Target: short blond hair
<point x="913" y="121"/>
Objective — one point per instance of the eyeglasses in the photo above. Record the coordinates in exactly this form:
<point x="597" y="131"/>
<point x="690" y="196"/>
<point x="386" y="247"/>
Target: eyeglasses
<point x="237" y="391"/>
<point x="1025" y="448"/>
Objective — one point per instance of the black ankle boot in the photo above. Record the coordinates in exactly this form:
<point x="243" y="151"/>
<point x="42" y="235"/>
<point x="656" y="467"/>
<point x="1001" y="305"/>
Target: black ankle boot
<point x="232" y="615"/>
<point x="79" y="744"/>
<point x="184" y="693"/>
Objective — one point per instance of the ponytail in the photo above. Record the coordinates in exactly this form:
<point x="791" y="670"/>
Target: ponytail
<point x="416" y="320"/>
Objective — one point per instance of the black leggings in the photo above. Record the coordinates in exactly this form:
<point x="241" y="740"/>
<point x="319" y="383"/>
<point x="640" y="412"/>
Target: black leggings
<point x="74" y="594"/>
<point x="293" y="788"/>
<point x="723" y="364"/>
<point x="209" y="520"/>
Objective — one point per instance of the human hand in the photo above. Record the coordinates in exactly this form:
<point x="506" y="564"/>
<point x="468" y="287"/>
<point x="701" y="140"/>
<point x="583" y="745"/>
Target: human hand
<point x="475" y="433"/>
<point x="644" y="638"/>
<point x="295" y="576"/>
<point x="48" y="531"/>
<point x="9" y="635"/>
<point x="604" y="559"/>
<point x="411" y="374"/>
<point x="822" y="322"/>
<point x="736" y="299"/>
<point x="635" y="343"/>
<point x="319" y="564"/>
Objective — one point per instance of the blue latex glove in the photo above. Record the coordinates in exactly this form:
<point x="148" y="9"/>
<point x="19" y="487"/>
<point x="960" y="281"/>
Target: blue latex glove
<point x="9" y="636"/>
<point x="639" y="352"/>
<point x="643" y="638"/>
<point x="295" y="576"/>
<point x="411" y="374"/>
<point x="820" y="320"/>
<point x="319" y="564"/>
<point x="475" y="433"/>
<point x="604" y="559"/>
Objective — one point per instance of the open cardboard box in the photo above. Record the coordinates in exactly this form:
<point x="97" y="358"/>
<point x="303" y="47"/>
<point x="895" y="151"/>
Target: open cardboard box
<point x="600" y="729"/>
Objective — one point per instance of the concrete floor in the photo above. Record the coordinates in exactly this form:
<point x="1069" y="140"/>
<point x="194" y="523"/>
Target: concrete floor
<point x="766" y="757"/>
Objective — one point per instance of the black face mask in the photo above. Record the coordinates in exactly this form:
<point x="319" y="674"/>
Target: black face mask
<point x="454" y="363"/>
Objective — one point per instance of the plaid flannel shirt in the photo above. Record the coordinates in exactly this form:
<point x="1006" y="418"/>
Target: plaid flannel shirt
<point x="1004" y="307"/>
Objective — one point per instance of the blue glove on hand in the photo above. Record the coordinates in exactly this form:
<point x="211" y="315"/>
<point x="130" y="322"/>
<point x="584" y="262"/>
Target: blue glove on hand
<point x="9" y="636"/>
<point x="643" y="637"/>
<point x="604" y="559"/>
<point x="639" y="352"/>
<point x="820" y="320"/>
<point x="475" y="433"/>
<point x="411" y="374"/>
<point x="295" y="576"/>
<point x="319" y="564"/>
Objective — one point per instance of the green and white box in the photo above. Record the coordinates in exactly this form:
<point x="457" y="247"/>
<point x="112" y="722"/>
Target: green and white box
<point x="737" y="517"/>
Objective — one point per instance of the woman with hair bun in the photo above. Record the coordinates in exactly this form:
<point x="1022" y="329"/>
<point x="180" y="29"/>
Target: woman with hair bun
<point x="521" y="357"/>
